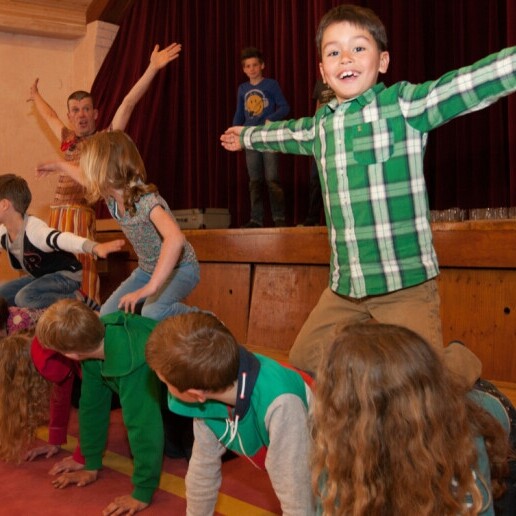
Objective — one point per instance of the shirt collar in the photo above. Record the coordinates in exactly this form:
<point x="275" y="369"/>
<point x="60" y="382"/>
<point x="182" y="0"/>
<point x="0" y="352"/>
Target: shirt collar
<point x="247" y="376"/>
<point x="363" y="100"/>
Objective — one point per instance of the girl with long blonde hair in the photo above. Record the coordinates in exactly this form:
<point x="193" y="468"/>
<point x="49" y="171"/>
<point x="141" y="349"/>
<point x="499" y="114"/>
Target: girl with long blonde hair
<point x="111" y="168"/>
<point x="395" y="434"/>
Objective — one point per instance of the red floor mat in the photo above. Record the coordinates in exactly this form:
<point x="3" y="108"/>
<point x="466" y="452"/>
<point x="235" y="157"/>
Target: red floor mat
<point x="27" y="491"/>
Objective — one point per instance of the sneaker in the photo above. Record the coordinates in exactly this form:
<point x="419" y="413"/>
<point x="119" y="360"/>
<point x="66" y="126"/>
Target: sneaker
<point x="88" y="301"/>
<point x="252" y="224"/>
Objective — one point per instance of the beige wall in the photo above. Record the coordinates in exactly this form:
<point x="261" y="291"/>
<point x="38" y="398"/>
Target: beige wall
<point x="62" y="66"/>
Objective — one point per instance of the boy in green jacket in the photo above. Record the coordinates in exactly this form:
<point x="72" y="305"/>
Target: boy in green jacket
<point x="240" y="401"/>
<point x="112" y="351"/>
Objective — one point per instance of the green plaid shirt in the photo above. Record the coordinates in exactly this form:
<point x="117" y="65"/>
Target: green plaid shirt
<point x="369" y="152"/>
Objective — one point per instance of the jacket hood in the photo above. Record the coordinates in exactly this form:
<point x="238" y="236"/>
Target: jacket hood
<point x="50" y="364"/>
<point x="248" y="371"/>
<point x="124" y="342"/>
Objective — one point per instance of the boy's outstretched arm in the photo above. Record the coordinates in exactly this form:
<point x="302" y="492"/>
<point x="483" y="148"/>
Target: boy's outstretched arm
<point x="112" y="246"/>
<point x="231" y="138"/>
<point x="158" y="60"/>
<point x="45" y="110"/>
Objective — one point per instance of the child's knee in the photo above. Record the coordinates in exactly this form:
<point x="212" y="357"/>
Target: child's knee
<point x="26" y="298"/>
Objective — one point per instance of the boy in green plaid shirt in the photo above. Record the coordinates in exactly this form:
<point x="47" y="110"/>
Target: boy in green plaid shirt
<point x="369" y="144"/>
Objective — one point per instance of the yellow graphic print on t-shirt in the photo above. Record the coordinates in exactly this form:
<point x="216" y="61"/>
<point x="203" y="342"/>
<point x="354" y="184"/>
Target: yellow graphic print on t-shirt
<point x="255" y="102"/>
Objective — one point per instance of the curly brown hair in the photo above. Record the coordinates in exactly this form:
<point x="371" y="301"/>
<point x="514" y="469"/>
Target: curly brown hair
<point x="393" y="433"/>
<point x="24" y="396"/>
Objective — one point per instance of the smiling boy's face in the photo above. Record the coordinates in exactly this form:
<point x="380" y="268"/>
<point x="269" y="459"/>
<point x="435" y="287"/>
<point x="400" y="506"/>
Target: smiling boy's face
<point x="351" y="60"/>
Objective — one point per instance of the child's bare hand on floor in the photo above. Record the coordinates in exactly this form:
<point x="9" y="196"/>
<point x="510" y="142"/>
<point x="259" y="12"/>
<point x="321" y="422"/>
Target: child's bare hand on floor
<point x="65" y="466"/>
<point x="124" y="505"/>
<point x="79" y="478"/>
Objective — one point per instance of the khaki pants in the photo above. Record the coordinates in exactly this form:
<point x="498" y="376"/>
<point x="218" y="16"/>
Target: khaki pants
<point x="415" y="308"/>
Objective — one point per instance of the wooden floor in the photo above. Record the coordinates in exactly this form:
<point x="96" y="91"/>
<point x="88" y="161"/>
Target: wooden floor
<point x="508" y="388"/>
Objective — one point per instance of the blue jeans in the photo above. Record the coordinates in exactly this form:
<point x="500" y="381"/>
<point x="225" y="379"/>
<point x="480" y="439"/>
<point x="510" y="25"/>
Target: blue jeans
<point x="30" y="292"/>
<point x="166" y="301"/>
<point x="260" y="165"/>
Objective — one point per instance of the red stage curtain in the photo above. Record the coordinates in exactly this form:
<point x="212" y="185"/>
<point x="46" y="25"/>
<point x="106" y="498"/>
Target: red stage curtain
<point x="470" y="162"/>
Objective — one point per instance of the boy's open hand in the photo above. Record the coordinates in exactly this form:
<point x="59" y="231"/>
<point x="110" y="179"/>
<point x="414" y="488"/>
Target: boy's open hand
<point x="79" y="478"/>
<point x="102" y="250"/>
<point x="161" y="58"/>
<point x="66" y="465"/>
<point x="124" y="505"/>
<point x="231" y="138"/>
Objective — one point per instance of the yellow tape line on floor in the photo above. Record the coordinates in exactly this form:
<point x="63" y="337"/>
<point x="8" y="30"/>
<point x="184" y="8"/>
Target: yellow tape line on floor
<point x="227" y="505"/>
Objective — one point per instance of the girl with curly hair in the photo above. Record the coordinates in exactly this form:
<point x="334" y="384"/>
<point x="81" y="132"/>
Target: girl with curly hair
<point x="24" y="397"/>
<point x="396" y="434"/>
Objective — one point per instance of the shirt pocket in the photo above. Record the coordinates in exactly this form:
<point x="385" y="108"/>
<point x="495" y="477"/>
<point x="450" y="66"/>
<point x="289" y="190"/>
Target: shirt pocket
<point x="372" y="142"/>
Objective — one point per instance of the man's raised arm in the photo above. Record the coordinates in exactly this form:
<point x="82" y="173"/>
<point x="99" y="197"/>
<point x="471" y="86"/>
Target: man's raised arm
<point x="158" y="60"/>
<point x="48" y="114"/>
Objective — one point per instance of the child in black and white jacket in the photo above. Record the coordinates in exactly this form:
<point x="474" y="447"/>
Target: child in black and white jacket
<point x="46" y="255"/>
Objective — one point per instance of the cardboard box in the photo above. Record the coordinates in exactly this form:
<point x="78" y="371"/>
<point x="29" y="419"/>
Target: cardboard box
<point x="205" y="218"/>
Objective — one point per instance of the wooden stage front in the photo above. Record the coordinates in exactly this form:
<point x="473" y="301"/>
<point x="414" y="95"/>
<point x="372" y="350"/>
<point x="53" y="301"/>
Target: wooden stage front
<point x="264" y="282"/>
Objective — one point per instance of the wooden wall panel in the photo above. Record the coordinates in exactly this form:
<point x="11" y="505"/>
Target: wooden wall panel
<point x="112" y="271"/>
<point x="225" y="290"/>
<point x="478" y="307"/>
<point x="282" y="298"/>
<point x="263" y="283"/>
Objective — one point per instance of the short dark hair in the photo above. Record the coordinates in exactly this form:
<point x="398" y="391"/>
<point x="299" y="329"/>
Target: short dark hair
<point x="15" y="189"/>
<point x="249" y="52"/>
<point x="194" y="351"/>
<point x="79" y="95"/>
<point x="356" y="15"/>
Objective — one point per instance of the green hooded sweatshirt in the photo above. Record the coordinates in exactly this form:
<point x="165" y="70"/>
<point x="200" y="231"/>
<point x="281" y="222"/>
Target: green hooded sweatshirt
<point x="124" y="371"/>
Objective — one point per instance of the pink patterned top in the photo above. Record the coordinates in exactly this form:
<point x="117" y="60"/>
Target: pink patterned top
<point x="22" y="318"/>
